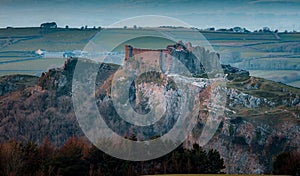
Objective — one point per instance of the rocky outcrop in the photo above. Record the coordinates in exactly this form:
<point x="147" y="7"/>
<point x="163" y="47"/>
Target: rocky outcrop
<point x="237" y="98"/>
<point x="260" y="120"/>
<point x="250" y="146"/>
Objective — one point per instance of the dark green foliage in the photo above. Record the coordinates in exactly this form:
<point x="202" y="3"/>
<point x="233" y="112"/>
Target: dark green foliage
<point x="76" y="157"/>
<point x="258" y="135"/>
<point x="68" y="164"/>
<point x="231" y="130"/>
<point x="185" y="161"/>
<point x="215" y="163"/>
<point x="287" y="163"/>
<point x="68" y="160"/>
<point x="240" y="140"/>
<point x="277" y="144"/>
<point x="101" y="163"/>
<point x="237" y="120"/>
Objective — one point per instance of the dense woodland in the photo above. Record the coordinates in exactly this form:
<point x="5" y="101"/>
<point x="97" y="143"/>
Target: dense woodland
<point x="78" y="157"/>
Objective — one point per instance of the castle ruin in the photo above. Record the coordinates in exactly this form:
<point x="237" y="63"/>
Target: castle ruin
<point x="168" y="59"/>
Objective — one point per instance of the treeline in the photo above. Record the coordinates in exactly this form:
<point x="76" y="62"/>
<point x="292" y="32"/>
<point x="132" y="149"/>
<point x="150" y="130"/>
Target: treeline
<point x="287" y="163"/>
<point x="78" y="157"/>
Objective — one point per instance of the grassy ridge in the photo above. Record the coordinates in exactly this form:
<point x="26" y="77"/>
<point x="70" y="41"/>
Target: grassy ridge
<point x="31" y="39"/>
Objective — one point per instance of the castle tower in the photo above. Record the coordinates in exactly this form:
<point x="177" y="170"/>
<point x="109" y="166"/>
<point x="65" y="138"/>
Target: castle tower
<point x="128" y="51"/>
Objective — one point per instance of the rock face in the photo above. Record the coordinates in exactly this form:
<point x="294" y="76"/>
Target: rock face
<point x="260" y="120"/>
<point x="249" y="137"/>
<point x="257" y="126"/>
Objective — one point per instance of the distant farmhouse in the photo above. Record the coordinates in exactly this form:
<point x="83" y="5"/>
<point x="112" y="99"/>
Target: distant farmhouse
<point x="51" y="25"/>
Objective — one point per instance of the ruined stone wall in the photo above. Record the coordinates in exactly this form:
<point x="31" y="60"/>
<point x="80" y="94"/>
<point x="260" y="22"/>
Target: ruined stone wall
<point x="159" y="59"/>
<point x="194" y="60"/>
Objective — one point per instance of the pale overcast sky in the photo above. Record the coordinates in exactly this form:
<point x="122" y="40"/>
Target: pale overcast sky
<point x="251" y="14"/>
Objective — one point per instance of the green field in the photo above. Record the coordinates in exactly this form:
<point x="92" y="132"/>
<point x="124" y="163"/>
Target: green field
<point x="267" y="55"/>
<point x="290" y="37"/>
<point x="32" y="67"/>
<point x="31" y="39"/>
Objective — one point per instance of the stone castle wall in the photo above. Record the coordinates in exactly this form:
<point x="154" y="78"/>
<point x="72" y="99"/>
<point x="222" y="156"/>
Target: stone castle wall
<point x="177" y="58"/>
